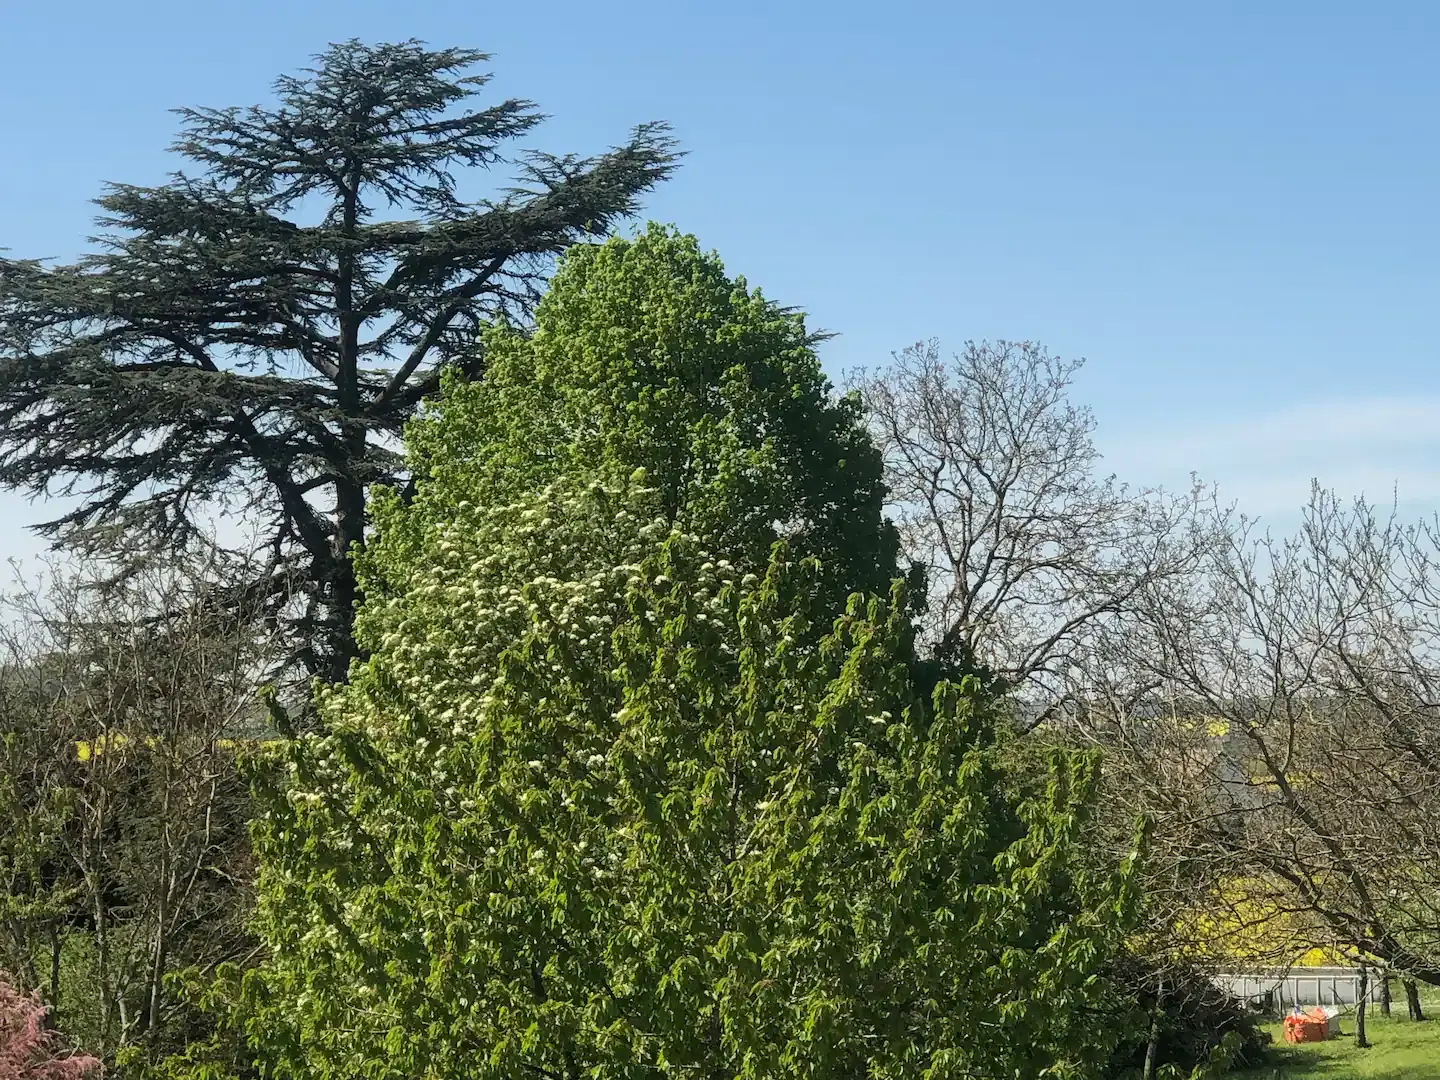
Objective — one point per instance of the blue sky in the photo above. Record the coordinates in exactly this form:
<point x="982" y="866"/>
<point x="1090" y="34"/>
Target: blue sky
<point x="1228" y="209"/>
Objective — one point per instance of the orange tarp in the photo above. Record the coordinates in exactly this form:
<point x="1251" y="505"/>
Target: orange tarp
<point x="1310" y="1027"/>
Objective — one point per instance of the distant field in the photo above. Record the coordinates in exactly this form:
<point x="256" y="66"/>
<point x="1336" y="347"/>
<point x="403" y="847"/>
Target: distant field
<point x="1400" y="1050"/>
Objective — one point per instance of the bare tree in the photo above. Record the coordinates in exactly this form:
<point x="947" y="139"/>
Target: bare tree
<point x="1296" y="683"/>
<point x="123" y="706"/>
<point x="993" y="479"/>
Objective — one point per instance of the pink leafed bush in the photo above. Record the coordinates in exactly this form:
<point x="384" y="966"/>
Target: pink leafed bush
<point x="31" y="1051"/>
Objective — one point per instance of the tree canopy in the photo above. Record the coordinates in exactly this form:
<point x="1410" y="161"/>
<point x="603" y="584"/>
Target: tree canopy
<point x="626" y="783"/>
<point x="646" y="354"/>
<point x="593" y="807"/>
<point x="1029" y="553"/>
<point x="253" y="335"/>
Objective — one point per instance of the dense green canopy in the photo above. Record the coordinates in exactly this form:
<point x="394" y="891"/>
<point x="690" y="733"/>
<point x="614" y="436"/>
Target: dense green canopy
<point x="637" y="781"/>
<point x="595" y="808"/>
<point x="646" y="354"/>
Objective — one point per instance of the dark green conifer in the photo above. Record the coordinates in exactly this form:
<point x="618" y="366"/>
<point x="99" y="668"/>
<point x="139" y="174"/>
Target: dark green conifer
<point x="253" y="335"/>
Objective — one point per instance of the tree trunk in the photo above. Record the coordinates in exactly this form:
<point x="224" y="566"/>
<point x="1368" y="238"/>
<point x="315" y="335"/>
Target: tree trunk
<point x="55" y="944"/>
<point x="1412" y="999"/>
<point x="349" y="488"/>
<point x="165" y="887"/>
<point x="1385" y="995"/>
<point x="344" y="593"/>
<point x="1360" y="1041"/>
<point x="1152" y="1047"/>
<point x="91" y="840"/>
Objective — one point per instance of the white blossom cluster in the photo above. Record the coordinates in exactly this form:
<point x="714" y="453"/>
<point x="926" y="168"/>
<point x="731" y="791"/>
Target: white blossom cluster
<point x="551" y="578"/>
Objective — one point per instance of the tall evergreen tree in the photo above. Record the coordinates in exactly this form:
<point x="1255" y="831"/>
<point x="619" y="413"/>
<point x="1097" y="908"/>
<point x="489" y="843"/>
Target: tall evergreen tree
<point x="253" y="336"/>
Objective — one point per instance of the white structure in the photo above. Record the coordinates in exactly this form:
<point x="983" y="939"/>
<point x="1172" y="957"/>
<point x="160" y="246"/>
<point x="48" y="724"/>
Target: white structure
<point x="1280" y="991"/>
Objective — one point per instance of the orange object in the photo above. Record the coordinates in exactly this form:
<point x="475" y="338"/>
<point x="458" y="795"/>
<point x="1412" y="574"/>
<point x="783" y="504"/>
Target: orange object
<point x="1308" y="1027"/>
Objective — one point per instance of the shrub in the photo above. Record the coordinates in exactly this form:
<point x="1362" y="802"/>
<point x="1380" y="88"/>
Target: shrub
<point x="1196" y="1016"/>
<point x="29" y="1050"/>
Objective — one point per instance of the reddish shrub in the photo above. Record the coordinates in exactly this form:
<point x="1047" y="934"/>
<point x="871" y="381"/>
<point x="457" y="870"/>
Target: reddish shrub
<point x="31" y="1051"/>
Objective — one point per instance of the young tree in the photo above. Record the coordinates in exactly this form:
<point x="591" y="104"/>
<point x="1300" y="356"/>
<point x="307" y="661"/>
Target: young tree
<point x="29" y="1050"/>
<point x="253" y="336"/>
<point x="992" y="475"/>
<point x="594" y="807"/>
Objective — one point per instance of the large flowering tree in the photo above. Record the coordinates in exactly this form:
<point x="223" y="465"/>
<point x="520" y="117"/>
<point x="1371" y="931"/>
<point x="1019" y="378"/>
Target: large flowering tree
<point x="647" y="354"/>
<point x="593" y="808"/>
<point x="636" y="778"/>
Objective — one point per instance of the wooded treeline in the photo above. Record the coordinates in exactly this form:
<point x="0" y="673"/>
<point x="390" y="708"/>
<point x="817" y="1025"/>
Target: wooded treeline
<point x="600" y="691"/>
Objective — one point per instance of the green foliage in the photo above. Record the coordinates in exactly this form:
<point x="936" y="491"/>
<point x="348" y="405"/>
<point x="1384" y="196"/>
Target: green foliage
<point x="636" y="778"/>
<point x="1217" y="1063"/>
<point x="594" y="807"/>
<point x="646" y="354"/>
<point x="79" y="1007"/>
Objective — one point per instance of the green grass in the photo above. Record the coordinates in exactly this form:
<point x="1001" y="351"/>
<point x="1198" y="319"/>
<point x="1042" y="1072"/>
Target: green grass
<point x="1399" y="1050"/>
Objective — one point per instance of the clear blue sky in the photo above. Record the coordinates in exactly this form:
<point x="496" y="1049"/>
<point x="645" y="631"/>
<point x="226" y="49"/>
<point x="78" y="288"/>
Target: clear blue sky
<point x="1228" y="208"/>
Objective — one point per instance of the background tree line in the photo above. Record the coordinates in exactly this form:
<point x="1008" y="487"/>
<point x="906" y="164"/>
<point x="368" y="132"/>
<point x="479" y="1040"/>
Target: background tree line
<point x="567" y="554"/>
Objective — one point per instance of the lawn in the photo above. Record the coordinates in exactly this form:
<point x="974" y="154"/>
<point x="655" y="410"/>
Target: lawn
<point x="1400" y="1050"/>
